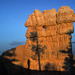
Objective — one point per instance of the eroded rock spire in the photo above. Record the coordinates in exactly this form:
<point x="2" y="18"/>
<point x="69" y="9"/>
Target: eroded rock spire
<point x="48" y="45"/>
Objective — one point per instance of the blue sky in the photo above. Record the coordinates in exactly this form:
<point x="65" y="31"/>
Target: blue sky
<point x="14" y="13"/>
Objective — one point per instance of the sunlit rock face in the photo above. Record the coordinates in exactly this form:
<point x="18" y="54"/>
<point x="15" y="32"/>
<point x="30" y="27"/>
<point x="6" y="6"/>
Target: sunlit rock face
<point x="53" y="45"/>
<point x="48" y="45"/>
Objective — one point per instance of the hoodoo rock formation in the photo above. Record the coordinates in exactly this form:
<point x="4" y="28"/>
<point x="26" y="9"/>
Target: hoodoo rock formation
<point x="48" y="45"/>
<point x="52" y="46"/>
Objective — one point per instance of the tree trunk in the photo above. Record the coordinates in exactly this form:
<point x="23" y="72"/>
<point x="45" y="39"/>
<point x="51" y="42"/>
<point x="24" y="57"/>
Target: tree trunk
<point x="38" y="55"/>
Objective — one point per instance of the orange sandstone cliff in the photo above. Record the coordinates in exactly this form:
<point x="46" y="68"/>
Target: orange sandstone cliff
<point x="48" y="45"/>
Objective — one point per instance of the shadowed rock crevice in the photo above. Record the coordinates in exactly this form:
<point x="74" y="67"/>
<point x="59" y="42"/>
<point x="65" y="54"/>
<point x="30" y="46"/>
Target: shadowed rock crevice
<point x="50" y="67"/>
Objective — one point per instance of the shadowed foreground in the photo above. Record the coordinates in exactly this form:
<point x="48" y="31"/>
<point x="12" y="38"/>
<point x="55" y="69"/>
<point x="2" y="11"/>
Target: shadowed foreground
<point x="18" y="70"/>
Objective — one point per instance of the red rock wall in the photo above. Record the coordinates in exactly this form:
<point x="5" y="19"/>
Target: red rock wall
<point x="48" y="49"/>
<point x="54" y="42"/>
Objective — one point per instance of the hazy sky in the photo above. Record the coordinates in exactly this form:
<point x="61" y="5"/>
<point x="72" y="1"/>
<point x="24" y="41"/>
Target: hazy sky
<point x="14" y="13"/>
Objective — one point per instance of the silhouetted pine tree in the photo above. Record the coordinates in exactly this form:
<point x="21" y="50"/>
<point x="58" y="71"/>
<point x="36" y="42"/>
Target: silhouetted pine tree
<point x="37" y="48"/>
